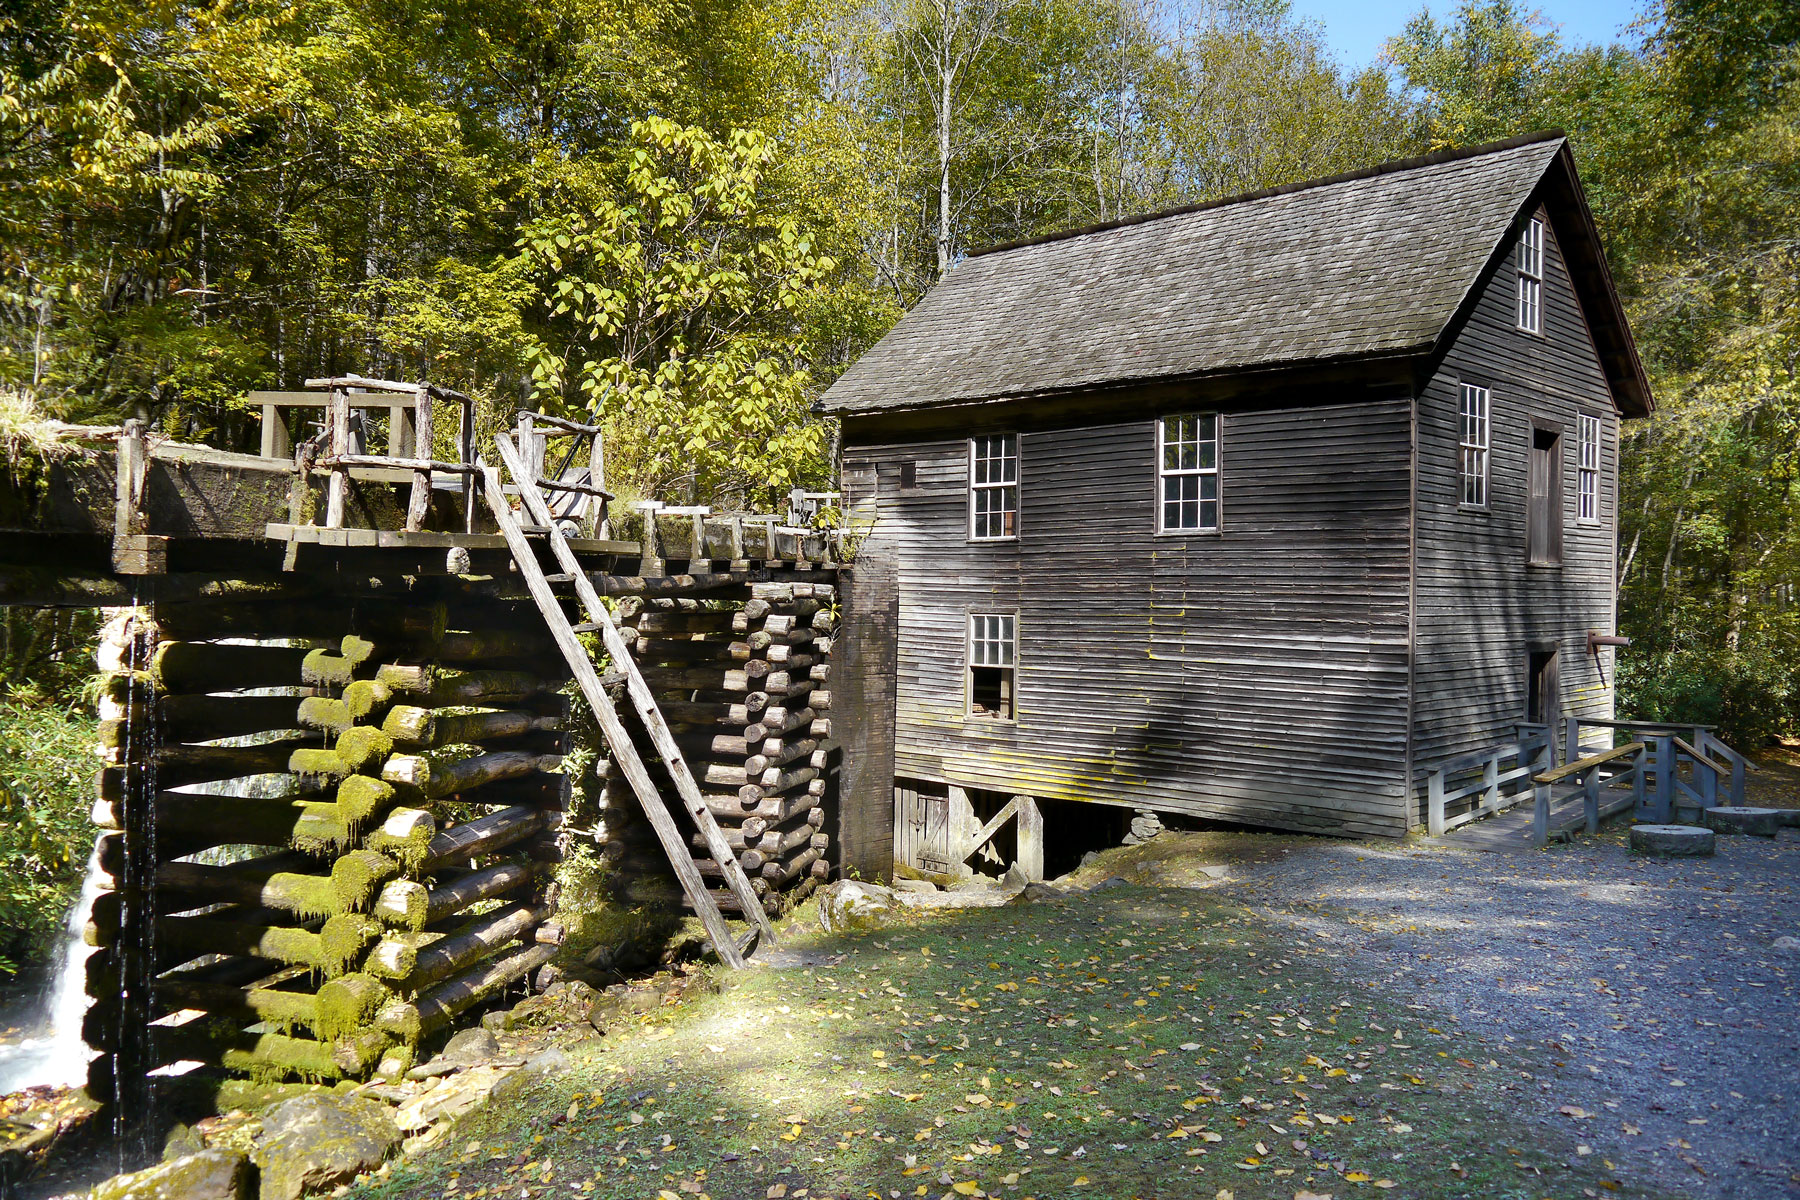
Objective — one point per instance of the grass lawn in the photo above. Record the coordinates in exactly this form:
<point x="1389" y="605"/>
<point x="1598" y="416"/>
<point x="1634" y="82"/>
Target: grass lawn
<point x="1132" y="1041"/>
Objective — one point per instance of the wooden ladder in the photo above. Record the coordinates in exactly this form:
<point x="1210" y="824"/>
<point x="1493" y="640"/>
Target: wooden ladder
<point x="624" y="751"/>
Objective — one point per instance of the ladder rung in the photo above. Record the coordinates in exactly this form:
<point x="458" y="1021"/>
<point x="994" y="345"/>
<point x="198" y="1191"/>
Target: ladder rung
<point x="534" y="529"/>
<point x="586" y="627"/>
<point x="559" y="577"/>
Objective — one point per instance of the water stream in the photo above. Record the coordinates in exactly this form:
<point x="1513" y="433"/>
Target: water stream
<point x="56" y="1056"/>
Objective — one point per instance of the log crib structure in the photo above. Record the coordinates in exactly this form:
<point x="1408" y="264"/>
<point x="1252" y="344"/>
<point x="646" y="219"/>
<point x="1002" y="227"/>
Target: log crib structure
<point x="335" y="709"/>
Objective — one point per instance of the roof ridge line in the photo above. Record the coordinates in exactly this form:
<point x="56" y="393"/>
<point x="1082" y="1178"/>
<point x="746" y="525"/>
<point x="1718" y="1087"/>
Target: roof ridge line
<point x="1387" y="168"/>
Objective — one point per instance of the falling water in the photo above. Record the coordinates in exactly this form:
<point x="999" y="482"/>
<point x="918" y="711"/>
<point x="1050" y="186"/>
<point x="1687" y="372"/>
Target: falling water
<point x="58" y="1057"/>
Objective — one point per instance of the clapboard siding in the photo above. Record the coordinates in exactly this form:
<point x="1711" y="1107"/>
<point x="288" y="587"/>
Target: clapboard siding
<point x="1479" y="607"/>
<point x="1259" y="675"/>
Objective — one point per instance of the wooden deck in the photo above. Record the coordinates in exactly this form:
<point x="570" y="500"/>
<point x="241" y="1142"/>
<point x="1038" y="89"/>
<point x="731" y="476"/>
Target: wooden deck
<point x="1510" y="831"/>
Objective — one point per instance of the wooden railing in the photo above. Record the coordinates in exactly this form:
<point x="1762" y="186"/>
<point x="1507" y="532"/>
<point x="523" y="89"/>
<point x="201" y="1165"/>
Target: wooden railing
<point x="1590" y="774"/>
<point x="1485" y="774"/>
<point x="1716" y="771"/>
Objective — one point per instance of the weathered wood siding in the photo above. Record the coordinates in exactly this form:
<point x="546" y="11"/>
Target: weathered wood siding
<point x="1481" y="608"/>
<point x="1259" y="675"/>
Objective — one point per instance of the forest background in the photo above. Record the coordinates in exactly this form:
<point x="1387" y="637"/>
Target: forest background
<point x="685" y="217"/>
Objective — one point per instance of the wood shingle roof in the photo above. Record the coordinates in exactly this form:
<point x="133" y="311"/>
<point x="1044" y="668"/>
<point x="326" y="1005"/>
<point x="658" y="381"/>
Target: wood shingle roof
<point x="1371" y="265"/>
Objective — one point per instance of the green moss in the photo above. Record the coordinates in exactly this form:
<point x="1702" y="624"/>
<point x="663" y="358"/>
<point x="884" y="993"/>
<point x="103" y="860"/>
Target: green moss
<point x="324" y="713"/>
<point x="362" y="796"/>
<point x="342" y="940"/>
<point x="320" y="764"/>
<point x="345" y="1005"/>
<point x="305" y="895"/>
<point x="403" y="905"/>
<point x="409" y="851"/>
<point x="326" y="668"/>
<point x="287" y="1010"/>
<point x="365" y="696"/>
<point x="323" y="829"/>
<point x="277" y="1056"/>
<point x="364" y="747"/>
<point x="357" y="876"/>
<point x="403" y="1021"/>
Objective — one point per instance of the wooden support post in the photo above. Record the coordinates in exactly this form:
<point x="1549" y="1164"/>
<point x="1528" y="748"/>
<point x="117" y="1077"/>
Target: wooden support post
<point x="1640" y="767"/>
<point x="1665" y="777"/>
<point x="275" y="440"/>
<point x="1571" y="739"/>
<point x="602" y="524"/>
<point x="1590" y="800"/>
<point x="1030" y="835"/>
<point x="419" y="504"/>
<point x="1540" y="817"/>
<point x="650" y="557"/>
<point x="1490" y="777"/>
<point x="337" y="492"/>
<point x="465" y="451"/>
<point x="1434" y="805"/>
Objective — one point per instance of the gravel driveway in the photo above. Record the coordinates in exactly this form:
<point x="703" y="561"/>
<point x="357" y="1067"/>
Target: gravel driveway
<point x="1653" y="985"/>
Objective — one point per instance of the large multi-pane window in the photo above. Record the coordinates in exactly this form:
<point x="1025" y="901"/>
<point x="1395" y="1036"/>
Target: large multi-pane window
<point x="1531" y="277"/>
<point x="1587" y="469"/>
<point x="994" y="486"/>
<point x="993" y="649"/>
<point x="1188" y="473"/>
<point x="1473" y="446"/>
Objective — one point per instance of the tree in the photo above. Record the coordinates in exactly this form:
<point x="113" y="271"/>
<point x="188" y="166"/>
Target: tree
<point x="675" y="314"/>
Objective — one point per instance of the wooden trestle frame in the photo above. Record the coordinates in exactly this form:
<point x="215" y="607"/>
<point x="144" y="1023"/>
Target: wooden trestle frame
<point x="519" y="539"/>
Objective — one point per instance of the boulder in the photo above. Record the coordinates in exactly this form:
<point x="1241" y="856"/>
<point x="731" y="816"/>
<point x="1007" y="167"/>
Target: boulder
<point x="851" y="905"/>
<point x="470" y="1046"/>
<point x="319" y="1141"/>
<point x="1788" y="818"/>
<point x="1728" y="818"/>
<point x="207" y="1175"/>
<point x="1031" y="893"/>
<point x="537" y="1068"/>
<point x="925" y="885"/>
<point x="1672" y="841"/>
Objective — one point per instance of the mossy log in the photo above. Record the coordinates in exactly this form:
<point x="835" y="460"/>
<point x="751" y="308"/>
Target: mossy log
<point x="359" y="749"/>
<point x="337" y="668"/>
<point x="404" y="904"/>
<point x="484" y="935"/>
<point x="181" y="766"/>
<point x="210" y="667"/>
<point x="417" y="728"/>
<point x="260" y="1056"/>
<point x="411" y="1022"/>
<point x="481" y="837"/>
<point x="462" y="647"/>
<point x="443" y="687"/>
<point x="193" y="821"/>
<point x="338" y="943"/>
<point x="430" y="777"/>
<point x="209" y="718"/>
<point x="347" y="1004"/>
<point x="288" y="1009"/>
<point x="362" y="699"/>
<point x="354" y="880"/>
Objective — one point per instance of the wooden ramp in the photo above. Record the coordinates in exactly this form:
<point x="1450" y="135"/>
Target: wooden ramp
<point x="1512" y="830"/>
<point x="525" y="542"/>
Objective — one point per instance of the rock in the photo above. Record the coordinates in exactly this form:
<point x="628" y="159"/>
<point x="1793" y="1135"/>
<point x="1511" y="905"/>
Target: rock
<point x="1144" y="826"/>
<point x="1031" y="893"/>
<point x="1727" y="818"/>
<point x="449" y="1099"/>
<point x="925" y="885"/>
<point x="1111" y="881"/>
<point x="470" y="1046"/>
<point x="494" y="1022"/>
<point x="973" y="883"/>
<point x="1088" y="858"/>
<point x="1787" y="945"/>
<point x="1214" y="872"/>
<point x="320" y="1141"/>
<point x="537" y="1068"/>
<point x="1672" y="841"/>
<point x="850" y="904"/>
<point x="207" y="1175"/>
<point x="1788" y="818"/>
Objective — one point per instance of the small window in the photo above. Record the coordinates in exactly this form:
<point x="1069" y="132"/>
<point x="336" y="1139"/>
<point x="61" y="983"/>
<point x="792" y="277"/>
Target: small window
<point x="1544" y="492"/>
<point x="1188" y="473"/>
<point x="909" y="473"/>
<point x="1531" y="277"/>
<point x="1587" y="469"/>
<point x="994" y="487"/>
<point x="1474" y="446"/>
<point x="992" y="652"/>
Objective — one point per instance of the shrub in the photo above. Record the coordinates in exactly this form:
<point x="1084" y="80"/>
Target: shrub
<point x="46" y="763"/>
<point x="1753" y="699"/>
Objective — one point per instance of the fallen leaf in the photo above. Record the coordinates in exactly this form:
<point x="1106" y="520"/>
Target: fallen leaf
<point x="966" y="1187"/>
<point x="1574" y="1113"/>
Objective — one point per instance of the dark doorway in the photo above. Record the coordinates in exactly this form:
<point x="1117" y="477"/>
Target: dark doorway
<point x="1544" y="518"/>
<point x="1543" y="698"/>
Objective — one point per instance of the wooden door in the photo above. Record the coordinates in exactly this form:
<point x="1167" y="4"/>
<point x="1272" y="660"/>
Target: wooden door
<point x="922" y="831"/>
<point x="1543" y="516"/>
<point x="1543" y="703"/>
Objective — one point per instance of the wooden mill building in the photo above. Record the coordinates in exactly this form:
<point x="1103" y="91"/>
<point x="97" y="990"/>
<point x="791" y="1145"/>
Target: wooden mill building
<point x="1252" y="510"/>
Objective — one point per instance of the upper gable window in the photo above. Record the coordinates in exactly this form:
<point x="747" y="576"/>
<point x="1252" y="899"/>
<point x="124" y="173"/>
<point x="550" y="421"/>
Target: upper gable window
<point x="1587" y="469"/>
<point x="1473" y="446"/>
<point x="994" y="487"/>
<point x="1531" y="277"/>
<point x="1188" y="473"/>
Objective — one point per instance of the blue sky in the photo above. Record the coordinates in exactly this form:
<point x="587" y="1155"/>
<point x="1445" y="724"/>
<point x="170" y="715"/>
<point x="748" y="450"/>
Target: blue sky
<point x="1357" y="28"/>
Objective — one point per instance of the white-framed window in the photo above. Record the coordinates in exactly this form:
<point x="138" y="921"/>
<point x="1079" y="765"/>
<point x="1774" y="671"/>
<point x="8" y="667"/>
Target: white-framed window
<point x="1531" y="277"/>
<point x="993" y="657"/>
<point x="1187" y="473"/>
<point x="1473" y="447"/>
<point x="994" y="487"/>
<point x="1587" y="469"/>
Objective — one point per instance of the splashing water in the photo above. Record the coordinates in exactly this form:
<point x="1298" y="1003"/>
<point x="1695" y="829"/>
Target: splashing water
<point x="58" y="1057"/>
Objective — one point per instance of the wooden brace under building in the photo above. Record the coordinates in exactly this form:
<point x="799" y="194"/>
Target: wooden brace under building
<point x="1254" y="510"/>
